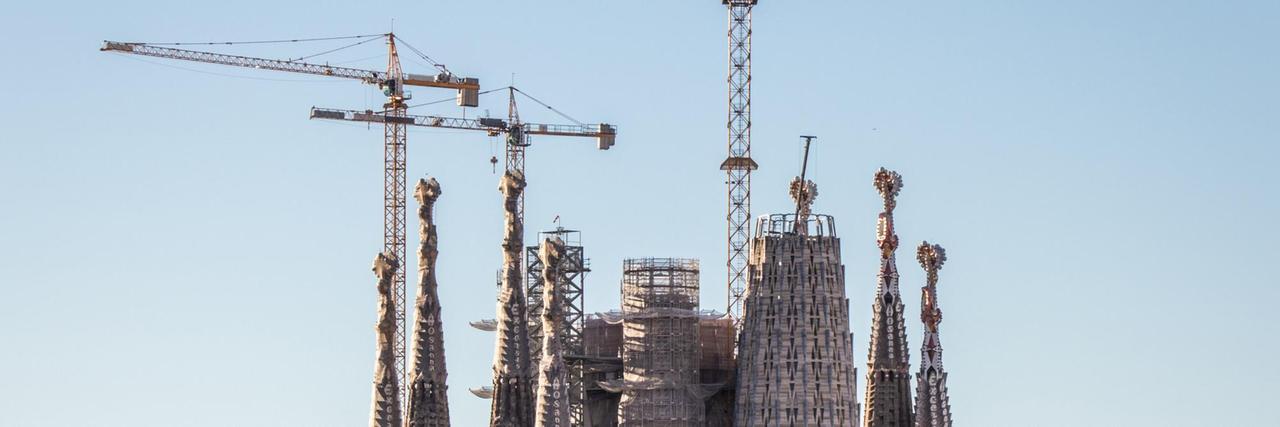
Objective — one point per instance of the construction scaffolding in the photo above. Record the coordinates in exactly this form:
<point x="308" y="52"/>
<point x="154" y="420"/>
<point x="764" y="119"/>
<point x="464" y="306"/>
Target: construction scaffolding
<point x="572" y="281"/>
<point x="602" y="363"/>
<point x="660" y="352"/>
<point x="717" y="336"/>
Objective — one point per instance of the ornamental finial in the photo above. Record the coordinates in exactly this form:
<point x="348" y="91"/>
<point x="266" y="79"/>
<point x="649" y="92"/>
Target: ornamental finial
<point x="888" y="183"/>
<point x="931" y="257"/>
<point x="512" y="182"/>
<point x="803" y="193"/>
<point x="427" y="190"/>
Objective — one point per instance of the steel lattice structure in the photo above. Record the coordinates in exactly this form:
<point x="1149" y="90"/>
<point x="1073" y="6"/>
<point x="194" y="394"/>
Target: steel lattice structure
<point x="738" y="165"/>
<point x="393" y="196"/>
<point x="572" y="275"/>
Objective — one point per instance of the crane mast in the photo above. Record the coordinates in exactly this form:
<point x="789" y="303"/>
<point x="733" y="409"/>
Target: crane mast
<point x="517" y="141"/>
<point x="393" y="197"/>
<point x="738" y="165"/>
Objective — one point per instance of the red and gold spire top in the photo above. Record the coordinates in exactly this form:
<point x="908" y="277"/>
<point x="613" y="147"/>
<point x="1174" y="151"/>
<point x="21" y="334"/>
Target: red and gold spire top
<point x="933" y="406"/>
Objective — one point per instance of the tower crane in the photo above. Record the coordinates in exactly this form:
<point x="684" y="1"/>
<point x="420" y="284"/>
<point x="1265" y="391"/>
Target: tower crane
<point x="738" y="165"/>
<point x="392" y="83"/>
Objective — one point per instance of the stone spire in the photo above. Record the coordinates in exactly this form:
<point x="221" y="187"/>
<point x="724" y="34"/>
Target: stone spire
<point x="386" y="381"/>
<point x="512" y="403"/>
<point x="932" y="403"/>
<point x="428" y="391"/>
<point x="553" y="375"/>
<point x="888" y="395"/>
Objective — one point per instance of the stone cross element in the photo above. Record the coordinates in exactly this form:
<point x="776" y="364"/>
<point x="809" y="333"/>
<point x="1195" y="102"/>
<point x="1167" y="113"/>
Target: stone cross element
<point x="428" y="397"/>
<point x="386" y="381"/>
<point x="933" y="406"/>
<point x="512" y="405"/>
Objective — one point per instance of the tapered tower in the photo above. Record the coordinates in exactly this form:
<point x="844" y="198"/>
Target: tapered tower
<point x="932" y="404"/>
<point x="385" y="410"/>
<point x="888" y="396"/>
<point x="552" y="408"/>
<point x="512" y="405"/>
<point x="795" y="352"/>
<point x="428" y="399"/>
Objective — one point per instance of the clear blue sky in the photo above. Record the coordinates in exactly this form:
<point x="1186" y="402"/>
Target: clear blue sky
<point x="181" y="248"/>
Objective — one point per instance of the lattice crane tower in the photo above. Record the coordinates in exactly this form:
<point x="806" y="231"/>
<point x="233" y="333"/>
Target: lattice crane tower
<point x="738" y="165"/>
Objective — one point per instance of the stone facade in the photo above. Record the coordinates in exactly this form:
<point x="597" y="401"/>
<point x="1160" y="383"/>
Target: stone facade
<point x="795" y="354"/>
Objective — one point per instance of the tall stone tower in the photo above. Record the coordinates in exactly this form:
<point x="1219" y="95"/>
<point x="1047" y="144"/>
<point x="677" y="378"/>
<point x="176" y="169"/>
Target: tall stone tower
<point x="428" y="404"/>
<point x="570" y="285"/>
<point x="552" y="407"/>
<point x="795" y="354"/>
<point x="385" y="409"/>
<point x="888" y="398"/>
<point x="512" y="404"/>
<point x="932" y="404"/>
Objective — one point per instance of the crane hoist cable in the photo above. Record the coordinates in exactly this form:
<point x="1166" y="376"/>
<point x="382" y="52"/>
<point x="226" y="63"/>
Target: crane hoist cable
<point x="548" y="106"/>
<point x="302" y="58"/>
<point x="415" y="50"/>
<point x="443" y="100"/>
<point x="316" y="39"/>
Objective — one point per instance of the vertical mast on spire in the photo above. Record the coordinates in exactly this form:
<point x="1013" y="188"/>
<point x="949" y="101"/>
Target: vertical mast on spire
<point x="932" y="403"/>
<point x="804" y="191"/>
